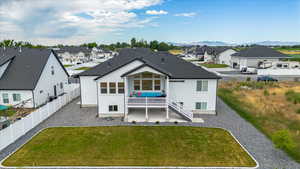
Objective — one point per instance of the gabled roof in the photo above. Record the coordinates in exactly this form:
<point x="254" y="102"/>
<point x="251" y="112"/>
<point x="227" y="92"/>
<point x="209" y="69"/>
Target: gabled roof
<point x="74" y="49"/>
<point x="25" y="67"/>
<point x="175" y="67"/>
<point x="260" y="52"/>
<point x="145" y="65"/>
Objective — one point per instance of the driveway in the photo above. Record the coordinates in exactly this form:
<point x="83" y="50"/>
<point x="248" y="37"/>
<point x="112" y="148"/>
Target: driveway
<point x="256" y="143"/>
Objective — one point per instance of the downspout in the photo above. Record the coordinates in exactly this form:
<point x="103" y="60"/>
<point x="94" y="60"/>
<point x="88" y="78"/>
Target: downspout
<point x="80" y="92"/>
<point x="217" y="97"/>
<point x="98" y="114"/>
<point x="33" y="100"/>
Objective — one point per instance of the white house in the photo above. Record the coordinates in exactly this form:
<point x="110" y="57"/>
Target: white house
<point x="28" y="77"/>
<point x="139" y="82"/>
<point x="224" y="56"/>
<point x="255" y="57"/>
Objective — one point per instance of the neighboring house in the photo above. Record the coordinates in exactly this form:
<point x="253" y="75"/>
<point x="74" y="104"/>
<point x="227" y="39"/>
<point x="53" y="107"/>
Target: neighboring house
<point x="255" y="57"/>
<point x="224" y="55"/>
<point x="29" y="77"/>
<point x="219" y="54"/>
<point x="74" y="54"/>
<point x="146" y="80"/>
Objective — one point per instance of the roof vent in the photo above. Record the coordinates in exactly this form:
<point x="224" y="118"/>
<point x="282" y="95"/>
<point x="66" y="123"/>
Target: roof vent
<point x="162" y="60"/>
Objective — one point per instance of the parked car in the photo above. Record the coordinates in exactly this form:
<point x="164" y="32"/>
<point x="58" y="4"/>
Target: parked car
<point x="248" y="70"/>
<point x="266" y="79"/>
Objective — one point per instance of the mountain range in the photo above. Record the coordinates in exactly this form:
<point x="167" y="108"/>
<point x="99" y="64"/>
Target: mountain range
<point x="220" y="43"/>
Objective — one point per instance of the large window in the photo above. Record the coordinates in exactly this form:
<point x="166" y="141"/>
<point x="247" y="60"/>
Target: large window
<point x="113" y="107"/>
<point x="202" y="85"/>
<point x="137" y="85"/>
<point x="147" y="75"/>
<point x="201" y="105"/>
<point x="16" y="97"/>
<point x="156" y="84"/>
<point x="120" y="87"/>
<point x="5" y="98"/>
<point x="147" y="84"/>
<point x="103" y="87"/>
<point x="112" y="88"/>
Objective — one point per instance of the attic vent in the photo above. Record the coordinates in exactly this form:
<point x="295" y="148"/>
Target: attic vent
<point x="162" y="60"/>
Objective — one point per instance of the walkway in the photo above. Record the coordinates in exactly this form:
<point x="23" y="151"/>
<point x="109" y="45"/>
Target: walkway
<point x="255" y="142"/>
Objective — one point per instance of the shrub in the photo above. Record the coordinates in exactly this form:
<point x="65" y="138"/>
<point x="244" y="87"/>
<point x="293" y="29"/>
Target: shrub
<point x="274" y="93"/>
<point x="298" y="111"/>
<point x="266" y="93"/>
<point x="283" y="140"/>
<point x="157" y="122"/>
<point x="292" y="96"/>
<point x="133" y="122"/>
<point x="176" y="122"/>
<point x="248" y="79"/>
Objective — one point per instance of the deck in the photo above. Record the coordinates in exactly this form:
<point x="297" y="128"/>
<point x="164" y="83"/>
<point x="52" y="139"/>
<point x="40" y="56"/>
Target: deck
<point x="155" y="102"/>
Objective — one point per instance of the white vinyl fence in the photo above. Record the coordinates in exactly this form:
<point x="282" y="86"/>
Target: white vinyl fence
<point x="21" y="127"/>
<point x="292" y="72"/>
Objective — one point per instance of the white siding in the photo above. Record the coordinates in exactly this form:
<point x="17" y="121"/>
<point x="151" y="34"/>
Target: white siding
<point x="225" y="57"/>
<point x="186" y="92"/>
<point x="88" y="91"/>
<point x="114" y="99"/>
<point x="25" y="95"/>
<point x="47" y="81"/>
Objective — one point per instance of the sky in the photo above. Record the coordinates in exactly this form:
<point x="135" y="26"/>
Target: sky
<point x="75" y="22"/>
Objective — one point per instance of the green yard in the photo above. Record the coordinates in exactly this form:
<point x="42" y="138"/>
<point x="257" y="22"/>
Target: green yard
<point x="83" y="68"/>
<point x="68" y="66"/>
<point x="212" y="65"/>
<point x="131" y="146"/>
<point x="8" y="112"/>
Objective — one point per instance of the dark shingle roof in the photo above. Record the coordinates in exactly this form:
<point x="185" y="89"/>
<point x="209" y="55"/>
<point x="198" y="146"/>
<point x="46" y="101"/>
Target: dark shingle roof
<point x="74" y="49"/>
<point x="175" y="67"/>
<point x="260" y="52"/>
<point x="25" y="67"/>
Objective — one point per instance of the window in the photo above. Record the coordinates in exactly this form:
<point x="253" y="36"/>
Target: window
<point x="202" y="85"/>
<point x="41" y="91"/>
<point x="120" y="87"/>
<point x="103" y="87"/>
<point x="5" y="98"/>
<point x="52" y="70"/>
<point x="156" y="84"/>
<point x="112" y="88"/>
<point x="156" y="76"/>
<point x="16" y="97"/>
<point x="146" y="75"/>
<point x="113" y="107"/>
<point x="147" y="85"/>
<point x="137" y="85"/>
<point x="61" y="85"/>
<point x="201" y="105"/>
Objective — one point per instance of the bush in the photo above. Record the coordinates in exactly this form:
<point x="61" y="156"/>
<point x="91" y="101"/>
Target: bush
<point x="292" y="96"/>
<point x="248" y="79"/>
<point x="266" y="93"/>
<point x="298" y="111"/>
<point x="274" y="93"/>
<point x="157" y="122"/>
<point x="283" y="140"/>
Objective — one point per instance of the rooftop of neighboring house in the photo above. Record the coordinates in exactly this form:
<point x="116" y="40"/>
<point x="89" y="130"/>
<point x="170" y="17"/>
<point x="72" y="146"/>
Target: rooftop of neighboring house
<point x="200" y="50"/>
<point x="74" y="49"/>
<point x="24" y="69"/>
<point x="260" y="52"/>
<point x="165" y="62"/>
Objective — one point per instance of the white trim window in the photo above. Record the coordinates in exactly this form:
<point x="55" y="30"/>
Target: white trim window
<point x="103" y="88"/>
<point x="16" y="97"/>
<point x="147" y="81"/>
<point x="201" y="105"/>
<point x="121" y="87"/>
<point x="202" y="86"/>
<point x="5" y="98"/>
<point x="113" y="108"/>
<point x="112" y="88"/>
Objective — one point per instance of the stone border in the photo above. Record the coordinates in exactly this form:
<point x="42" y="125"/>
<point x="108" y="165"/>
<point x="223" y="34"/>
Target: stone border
<point x="125" y="167"/>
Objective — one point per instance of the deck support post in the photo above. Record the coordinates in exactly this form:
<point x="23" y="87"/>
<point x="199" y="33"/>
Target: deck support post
<point x="125" y="99"/>
<point x="146" y="113"/>
<point x="167" y="99"/>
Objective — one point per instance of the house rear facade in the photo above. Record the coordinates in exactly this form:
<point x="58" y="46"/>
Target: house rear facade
<point x="145" y="80"/>
<point x="28" y="77"/>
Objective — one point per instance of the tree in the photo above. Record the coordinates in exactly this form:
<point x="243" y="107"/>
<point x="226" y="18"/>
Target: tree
<point x="133" y="42"/>
<point x="154" y="44"/>
<point x="163" y="46"/>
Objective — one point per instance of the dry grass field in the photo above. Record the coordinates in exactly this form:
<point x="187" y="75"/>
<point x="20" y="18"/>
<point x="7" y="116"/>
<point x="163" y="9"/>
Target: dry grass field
<point x="176" y="51"/>
<point x="271" y="107"/>
<point x="290" y="52"/>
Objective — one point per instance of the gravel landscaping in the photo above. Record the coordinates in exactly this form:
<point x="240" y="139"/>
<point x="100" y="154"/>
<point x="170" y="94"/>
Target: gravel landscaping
<point x="255" y="142"/>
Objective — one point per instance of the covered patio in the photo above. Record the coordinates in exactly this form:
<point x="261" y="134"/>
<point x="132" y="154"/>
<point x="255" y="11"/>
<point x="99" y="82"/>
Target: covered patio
<point x="154" y="115"/>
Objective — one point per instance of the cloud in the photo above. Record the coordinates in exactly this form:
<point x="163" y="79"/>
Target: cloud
<point x="155" y="12"/>
<point x="49" y="21"/>
<point x="189" y="14"/>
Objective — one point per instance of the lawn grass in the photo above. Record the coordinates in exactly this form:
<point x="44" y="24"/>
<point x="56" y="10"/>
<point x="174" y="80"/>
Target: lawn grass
<point x="8" y="112"/>
<point x="68" y="66"/>
<point x="83" y="68"/>
<point x="131" y="146"/>
<point x="211" y="65"/>
<point x="176" y="51"/>
<point x="268" y="107"/>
